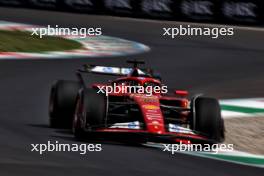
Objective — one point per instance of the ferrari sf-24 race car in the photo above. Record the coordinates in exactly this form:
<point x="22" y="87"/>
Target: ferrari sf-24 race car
<point x="159" y="117"/>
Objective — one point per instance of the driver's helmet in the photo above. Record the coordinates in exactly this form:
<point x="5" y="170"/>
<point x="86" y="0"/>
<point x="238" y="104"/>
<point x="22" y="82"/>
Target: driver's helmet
<point x="134" y="73"/>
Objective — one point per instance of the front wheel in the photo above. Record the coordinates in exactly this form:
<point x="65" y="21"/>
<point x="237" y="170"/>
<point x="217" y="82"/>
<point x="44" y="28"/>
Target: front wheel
<point x="90" y="112"/>
<point x="207" y="118"/>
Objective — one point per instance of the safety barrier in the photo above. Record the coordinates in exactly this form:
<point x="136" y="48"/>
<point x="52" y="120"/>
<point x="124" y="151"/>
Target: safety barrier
<point x="217" y="11"/>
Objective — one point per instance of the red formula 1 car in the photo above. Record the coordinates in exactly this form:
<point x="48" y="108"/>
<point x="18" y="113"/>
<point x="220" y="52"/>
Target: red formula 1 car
<point x="155" y="116"/>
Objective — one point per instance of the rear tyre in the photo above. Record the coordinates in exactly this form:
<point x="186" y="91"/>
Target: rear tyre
<point x="207" y="118"/>
<point x="62" y="103"/>
<point x="90" y="112"/>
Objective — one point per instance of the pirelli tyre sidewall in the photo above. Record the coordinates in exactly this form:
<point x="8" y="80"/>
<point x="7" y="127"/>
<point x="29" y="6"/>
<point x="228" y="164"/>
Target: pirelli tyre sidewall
<point x="90" y="112"/>
<point x="207" y="118"/>
<point x="62" y="103"/>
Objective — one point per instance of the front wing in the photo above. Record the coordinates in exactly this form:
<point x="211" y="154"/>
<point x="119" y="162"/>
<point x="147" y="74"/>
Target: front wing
<point x="142" y="136"/>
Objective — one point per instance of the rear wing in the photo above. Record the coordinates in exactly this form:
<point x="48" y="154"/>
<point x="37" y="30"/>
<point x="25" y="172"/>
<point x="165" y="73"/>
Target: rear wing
<point x="104" y="70"/>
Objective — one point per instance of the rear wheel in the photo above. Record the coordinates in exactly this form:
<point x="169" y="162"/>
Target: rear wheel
<point x="62" y="103"/>
<point x="207" y="118"/>
<point x="90" y="112"/>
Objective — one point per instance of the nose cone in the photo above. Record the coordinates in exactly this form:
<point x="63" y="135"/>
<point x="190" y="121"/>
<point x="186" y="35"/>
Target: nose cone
<point x="150" y="108"/>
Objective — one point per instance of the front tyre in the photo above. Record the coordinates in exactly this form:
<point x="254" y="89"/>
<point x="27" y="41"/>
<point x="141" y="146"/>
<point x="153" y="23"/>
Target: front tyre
<point x="90" y="112"/>
<point x="207" y="118"/>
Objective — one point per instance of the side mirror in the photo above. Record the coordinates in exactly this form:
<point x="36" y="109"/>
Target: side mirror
<point x="182" y="93"/>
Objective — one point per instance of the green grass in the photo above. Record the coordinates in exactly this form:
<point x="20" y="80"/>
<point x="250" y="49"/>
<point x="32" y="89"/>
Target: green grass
<point x="21" y="41"/>
<point x="242" y="159"/>
<point x="241" y="109"/>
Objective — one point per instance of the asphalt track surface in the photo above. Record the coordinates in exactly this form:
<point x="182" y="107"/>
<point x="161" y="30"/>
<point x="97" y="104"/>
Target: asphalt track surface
<point x="226" y="68"/>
